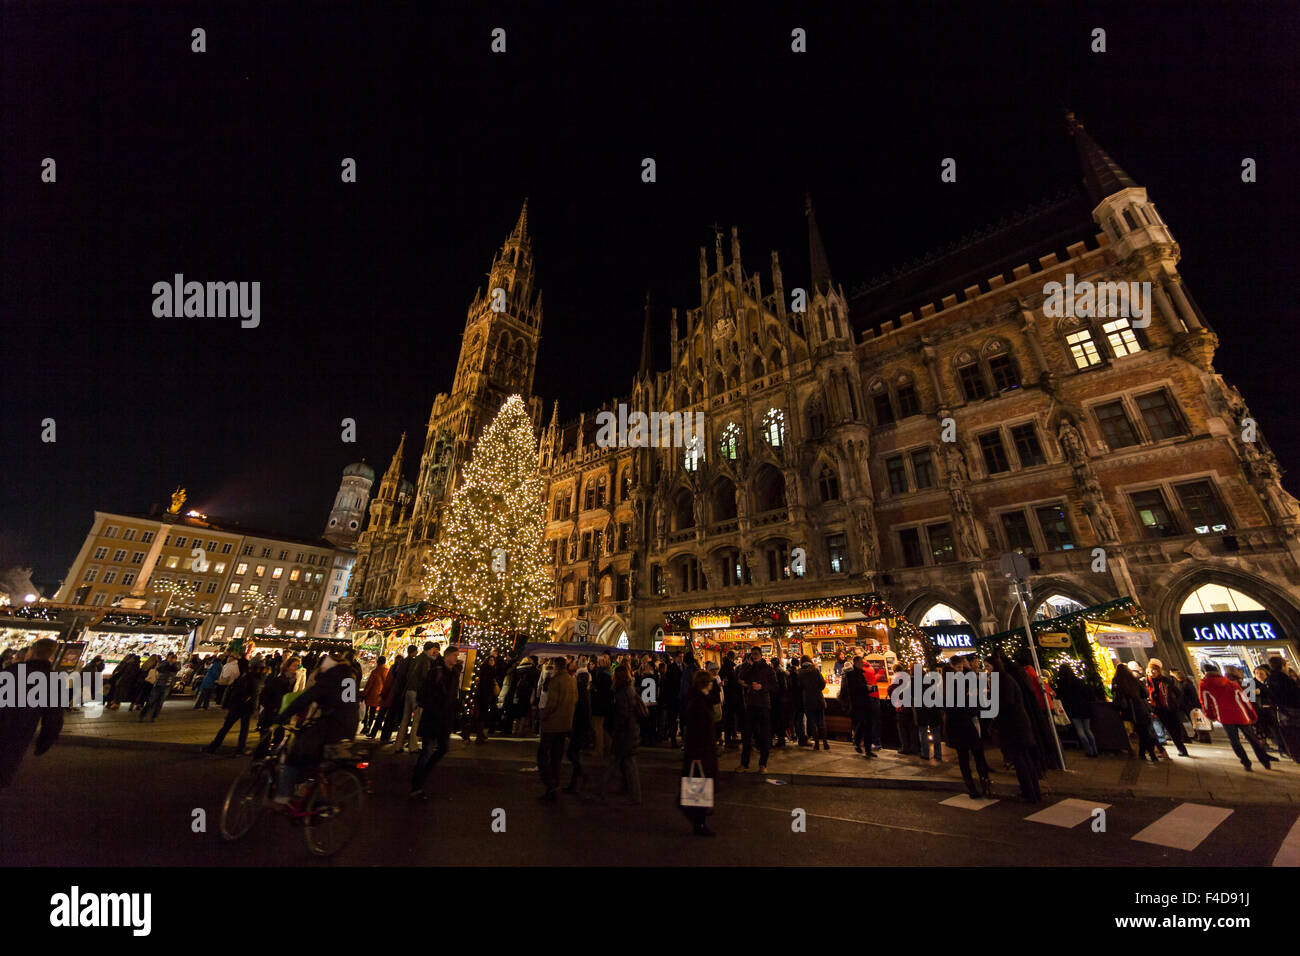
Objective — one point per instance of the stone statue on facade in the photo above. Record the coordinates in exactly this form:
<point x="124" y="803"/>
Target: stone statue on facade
<point x="1072" y="444"/>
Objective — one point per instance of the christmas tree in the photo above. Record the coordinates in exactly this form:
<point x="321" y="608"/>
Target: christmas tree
<point x="489" y="563"/>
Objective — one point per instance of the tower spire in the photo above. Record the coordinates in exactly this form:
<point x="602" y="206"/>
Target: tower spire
<point x="1102" y="176"/>
<point x="821" y="270"/>
<point x="647" y="345"/>
<point x="521" y="227"/>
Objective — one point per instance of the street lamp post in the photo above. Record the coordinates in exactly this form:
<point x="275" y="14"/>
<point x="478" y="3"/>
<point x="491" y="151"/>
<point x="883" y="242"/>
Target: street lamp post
<point x="1015" y="568"/>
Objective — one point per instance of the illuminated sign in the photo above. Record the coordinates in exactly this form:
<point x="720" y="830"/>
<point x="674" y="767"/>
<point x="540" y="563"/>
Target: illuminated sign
<point x="1231" y="626"/>
<point x="1054" y="639"/>
<point x="951" y="636"/>
<point x="1115" y="635"/>
<point x="817" y="614"/>
<point x="710" y="620"/>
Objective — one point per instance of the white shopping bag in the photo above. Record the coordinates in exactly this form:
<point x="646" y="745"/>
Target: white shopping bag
<point x="697" y="790"/>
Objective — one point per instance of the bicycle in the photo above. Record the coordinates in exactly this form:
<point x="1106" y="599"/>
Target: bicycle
<point x="328" y="807"/>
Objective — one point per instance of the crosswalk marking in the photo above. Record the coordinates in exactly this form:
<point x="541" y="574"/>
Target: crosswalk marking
<point x="1067" y="813"/>
<point x="1184" y="827"/>
<point x="1289" y="853"/>
<point x="966" y="803"/>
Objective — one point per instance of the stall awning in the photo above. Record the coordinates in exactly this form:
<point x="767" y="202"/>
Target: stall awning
<point x="566" y="649"/>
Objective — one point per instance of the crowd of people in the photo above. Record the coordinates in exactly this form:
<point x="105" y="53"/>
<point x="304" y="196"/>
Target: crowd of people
<point x="609" y="706"/>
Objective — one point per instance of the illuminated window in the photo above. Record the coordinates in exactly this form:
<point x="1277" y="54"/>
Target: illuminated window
<point x="260" y="570"/>
<point x="293" y="575"/>
<point x="306" y="615"/>
<point x="173" y="561"/>
<point x="227" y="608"/>
<point x="275" y="575"/>
<point x="693" y="454"/>
<point x="774" y="427"/>
<point x="730" y="441"/>
<point x="1083" y="349"/>
<point x="1120" y="338"/>
<point x="242" y="568"/>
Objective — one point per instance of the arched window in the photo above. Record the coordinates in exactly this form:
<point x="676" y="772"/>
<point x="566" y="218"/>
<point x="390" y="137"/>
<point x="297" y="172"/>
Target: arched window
<point x="941" y="614"/>
<point x="589" y="498"/>
<point x="729" y="443"/>
<point x="828" y="484"/>
<point x="774" y="360"/>
<point x="1054" y="605"/>
<point x="774" y="427"/>
<point x="1217" y="599"/>
<point x="756" y="370"/>
<point x="683" y="510"/>
<point x="600" y="492"/>
<point x="718" y="385"/>
<point x="816" y="419"/>
<point x="693" y="454"/>
<point x="971" y="376"/>
<point x="724" y="500"/>
<point x="769" y="489"/>
<point x="625" y="485"/>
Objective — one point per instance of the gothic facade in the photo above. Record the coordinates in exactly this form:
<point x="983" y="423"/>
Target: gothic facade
<point x="898" y="437"/>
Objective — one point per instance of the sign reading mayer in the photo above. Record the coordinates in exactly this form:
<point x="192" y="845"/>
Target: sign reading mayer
<point x="953" y="635"/>
<point x="1231" y="626"/>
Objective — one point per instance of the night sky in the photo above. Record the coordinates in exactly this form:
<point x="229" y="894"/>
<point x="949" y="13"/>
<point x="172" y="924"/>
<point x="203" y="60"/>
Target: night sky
<point x="225" y="166"/>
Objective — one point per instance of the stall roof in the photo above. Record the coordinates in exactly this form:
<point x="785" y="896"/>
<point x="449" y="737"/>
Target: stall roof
<point x="566" y="649"/>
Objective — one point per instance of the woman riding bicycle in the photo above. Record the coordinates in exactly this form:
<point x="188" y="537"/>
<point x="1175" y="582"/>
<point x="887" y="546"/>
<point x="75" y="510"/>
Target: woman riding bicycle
<point x="336" y="696"/>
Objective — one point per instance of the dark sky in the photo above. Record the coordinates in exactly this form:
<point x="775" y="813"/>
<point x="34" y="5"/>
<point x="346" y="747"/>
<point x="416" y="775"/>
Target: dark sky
<point x="225" y="166"/>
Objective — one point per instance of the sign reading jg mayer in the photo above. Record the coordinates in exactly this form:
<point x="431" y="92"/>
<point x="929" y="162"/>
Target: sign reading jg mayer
<point x="951" y="636"/>
<point x="1231" y="626"/>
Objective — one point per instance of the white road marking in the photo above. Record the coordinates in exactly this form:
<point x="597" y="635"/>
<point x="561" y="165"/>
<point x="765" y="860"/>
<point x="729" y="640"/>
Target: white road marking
<point x="966" y="803"/>
<point x="1067" y="813"/>
<point x="1289" y="853"/>
<point x="1184" y="827"/>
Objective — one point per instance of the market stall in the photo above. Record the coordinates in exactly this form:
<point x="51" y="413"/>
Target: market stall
<point x="111" y="634"/>
<point x="828" y="630"/>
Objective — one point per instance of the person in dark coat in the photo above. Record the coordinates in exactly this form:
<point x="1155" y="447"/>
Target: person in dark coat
<point x="438" y="717"/>
<point x="697" y="745"/>
<point x="929" y="725"/>
<point x="1130" y="698"/>
<point x="758" y="681"/>
<point x="241" y="702"/>
<point x="1077" y="699"/>
<point x="18" y="725"/>
<point x="625" y="717"/>
<point x="1165" y="700"/>
<point x="733" y="700"/>
<point x="670" y="698"/>
<point x="121" y="683"/>
<point x="602" y="701"/>
<point x="961" y="732"/>
<point x="904" y="714"/>
<point x="395" y="693"/>
<point x="581" y="725"/>
<point x="1015" y="731"/>
<point x="853" y="694"/>
<point x="485" y="698"/>
<point x="796" y="704"/>
<point x="811" y="683"/>
<point x="685" y="681"/>
<point x="1040" y="716"/>
<point x="162" y="686"/>
<point x="273" y="691"/>
<point x="780" y="702"/>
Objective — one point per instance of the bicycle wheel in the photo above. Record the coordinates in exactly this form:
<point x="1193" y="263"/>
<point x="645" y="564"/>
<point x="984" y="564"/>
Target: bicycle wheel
<point x="333" y="813"/>
<point x="243" y="803"/>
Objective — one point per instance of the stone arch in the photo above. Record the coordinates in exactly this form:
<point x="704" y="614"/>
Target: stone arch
<point x="928" y="598"/>
<point x="769" y="488"/>
<point x="1045" y="588"/>
<point x="1175" y="589"/>
<point x="683" y="509"/>
<point x="608" y="630"/>
<point x="722" y="499"/>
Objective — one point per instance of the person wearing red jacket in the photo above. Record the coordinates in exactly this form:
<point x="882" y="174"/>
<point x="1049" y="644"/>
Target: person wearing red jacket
<point x="1226" y="702"/>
